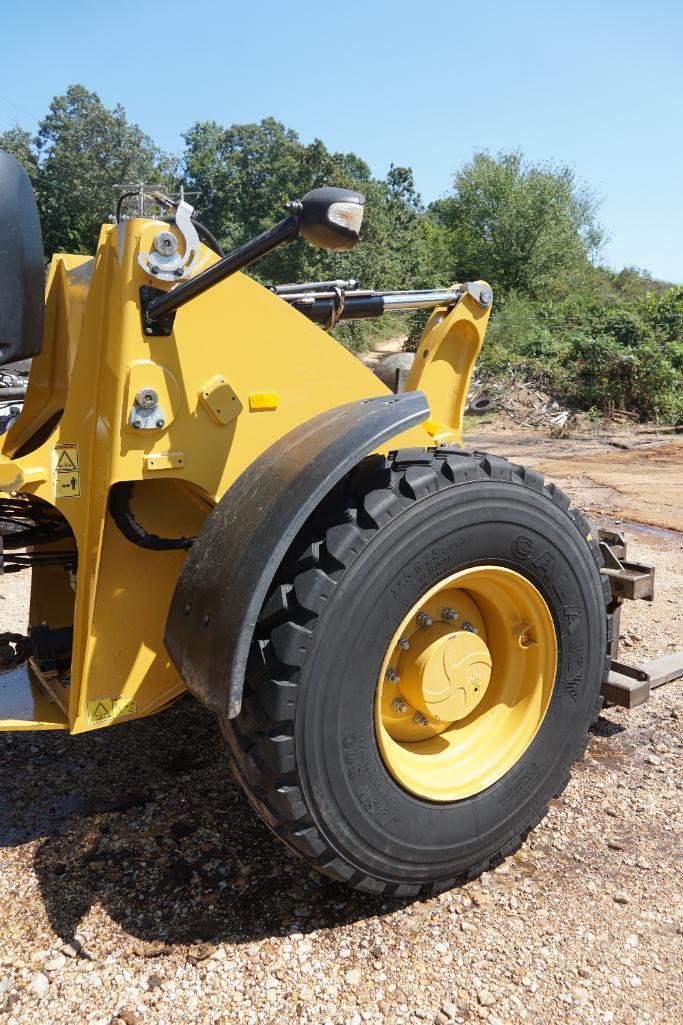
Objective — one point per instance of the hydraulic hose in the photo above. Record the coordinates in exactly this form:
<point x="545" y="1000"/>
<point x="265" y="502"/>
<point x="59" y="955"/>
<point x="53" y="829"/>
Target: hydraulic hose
<point x="121" y="513"/>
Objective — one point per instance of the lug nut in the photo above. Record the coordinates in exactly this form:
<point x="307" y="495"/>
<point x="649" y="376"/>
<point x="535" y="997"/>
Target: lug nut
<point x="404" y="643"/>
<point x="420" y="720"/>
<point x="399" y="706"/>
<point x="449" y="615"/>
<point x="392" y="676"/>
<point x="471" y="629"/>
<point x="424" y="620"/>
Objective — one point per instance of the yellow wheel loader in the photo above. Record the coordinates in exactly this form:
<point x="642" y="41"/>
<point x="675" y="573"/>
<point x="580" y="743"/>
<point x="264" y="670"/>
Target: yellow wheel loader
<point x="404" y="642"/>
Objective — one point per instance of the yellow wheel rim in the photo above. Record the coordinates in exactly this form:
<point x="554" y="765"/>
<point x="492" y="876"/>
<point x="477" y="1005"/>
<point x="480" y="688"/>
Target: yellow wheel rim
<point x="465" y="683"/>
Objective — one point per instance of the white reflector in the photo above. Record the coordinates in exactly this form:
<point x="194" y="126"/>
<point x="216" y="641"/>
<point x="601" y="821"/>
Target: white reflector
<point x="346" y="215"/>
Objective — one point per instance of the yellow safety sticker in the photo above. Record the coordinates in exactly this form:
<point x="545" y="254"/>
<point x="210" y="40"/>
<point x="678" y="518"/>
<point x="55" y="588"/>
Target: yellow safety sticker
<point x="66" y="476"/>
<point x="105" y="709"/>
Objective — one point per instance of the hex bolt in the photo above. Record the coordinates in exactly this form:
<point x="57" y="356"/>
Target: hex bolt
<point x="420" y="720"/>
<point x="392" y="676"/>
<point x="404" y="643"/>
<point x="424" y="620"/>
<point x="166" y="243"/>
<point x="179" y="271"/>
<point x="136" y="423"/>
<point x="146" y="398"/>
<point x="471" y="629"/>
<point x="399" y="706"/>
<point x="160" y="423"/>
<point x="153" y="268"/>
<point x="450" y="615"/>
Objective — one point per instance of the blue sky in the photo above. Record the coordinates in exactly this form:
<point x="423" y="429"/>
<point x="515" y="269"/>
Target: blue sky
<point x="597" y="85"/>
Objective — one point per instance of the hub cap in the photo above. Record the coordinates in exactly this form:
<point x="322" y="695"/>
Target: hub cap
<point x="465" y="683"/>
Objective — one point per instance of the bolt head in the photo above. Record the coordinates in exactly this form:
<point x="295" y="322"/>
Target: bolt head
<point x="404" y="643"/>
<point x="160" y="423"/>
<point x="420" y="720"/>
<point x="166" y="243"/>
<point x="470" y="627"/>
<point x="399" y="706"/>
<point x="486" y="297"/>
<point x="146" y="398"/>
<point x="153" y="269"/>
<point x="137" y="424"/>
<point x="450" y="615"/>
<point x="392" y="676"/>
<point x="424" y="620"/>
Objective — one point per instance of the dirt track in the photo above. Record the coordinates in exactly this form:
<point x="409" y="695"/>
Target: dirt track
<point x="633" y="476"/>
<point x="137" y="840"/>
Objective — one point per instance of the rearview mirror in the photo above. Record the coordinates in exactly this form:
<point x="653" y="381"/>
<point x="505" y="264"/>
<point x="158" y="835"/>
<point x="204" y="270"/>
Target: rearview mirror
<point x="331" y="218"/>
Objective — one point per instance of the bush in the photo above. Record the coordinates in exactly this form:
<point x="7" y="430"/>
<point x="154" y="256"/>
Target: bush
<point x="605" y="357"/>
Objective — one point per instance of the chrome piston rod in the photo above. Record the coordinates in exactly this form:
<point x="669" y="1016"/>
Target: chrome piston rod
<point x="396" y="302"/>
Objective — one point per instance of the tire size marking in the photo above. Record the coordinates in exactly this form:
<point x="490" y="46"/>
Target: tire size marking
<point x="357" y="764"/>
<point x="432" y="565"/>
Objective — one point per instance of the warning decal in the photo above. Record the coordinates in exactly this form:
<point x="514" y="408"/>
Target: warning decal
<point x="105" y="709"/>
<point x="66" y="476"/>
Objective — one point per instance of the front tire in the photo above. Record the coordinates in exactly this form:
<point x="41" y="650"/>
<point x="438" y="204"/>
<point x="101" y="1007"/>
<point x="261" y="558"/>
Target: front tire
<point x="309" y="746"/>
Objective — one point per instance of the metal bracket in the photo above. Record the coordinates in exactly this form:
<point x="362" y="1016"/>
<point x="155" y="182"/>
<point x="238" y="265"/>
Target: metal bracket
<point x="480" y="293"/>
<point x="164" y="325"/>
<point x="629" y="580"/>
<point x="146" y="414"/>
<point x="165" y="262"/>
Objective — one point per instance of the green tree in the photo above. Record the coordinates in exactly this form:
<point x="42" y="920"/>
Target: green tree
<point x="517" y="224"/>
<point x="245" y="173"/>
<point x="82" y="149"/>
<point x="21" y="145"/>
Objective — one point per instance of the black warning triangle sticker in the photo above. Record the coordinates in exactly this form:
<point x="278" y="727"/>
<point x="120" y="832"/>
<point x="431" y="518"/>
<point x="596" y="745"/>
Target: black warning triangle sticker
<point x="100" y="712"/>
<point x="65" y="463"/>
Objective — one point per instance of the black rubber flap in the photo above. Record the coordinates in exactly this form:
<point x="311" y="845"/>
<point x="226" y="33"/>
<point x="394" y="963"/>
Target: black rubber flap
<point x="234" y="559"/>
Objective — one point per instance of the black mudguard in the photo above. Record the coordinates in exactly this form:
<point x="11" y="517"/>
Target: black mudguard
<point x="225" y="579"/>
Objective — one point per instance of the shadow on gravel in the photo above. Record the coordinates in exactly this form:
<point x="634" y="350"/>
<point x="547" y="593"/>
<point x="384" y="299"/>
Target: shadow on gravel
<point x="145" y="820"/>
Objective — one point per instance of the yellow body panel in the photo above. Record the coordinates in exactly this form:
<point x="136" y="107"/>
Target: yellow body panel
<point x="237" y="342"/>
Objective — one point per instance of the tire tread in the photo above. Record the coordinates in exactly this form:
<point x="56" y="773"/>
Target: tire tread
<point x="260" y="740"/>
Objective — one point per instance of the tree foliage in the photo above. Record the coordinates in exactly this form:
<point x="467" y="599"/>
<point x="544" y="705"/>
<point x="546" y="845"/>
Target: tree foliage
<point x="245" y="173"/>
<point x="81" y="151"/>
<point x="514" y="223"/>
<point x="598" y="338"/>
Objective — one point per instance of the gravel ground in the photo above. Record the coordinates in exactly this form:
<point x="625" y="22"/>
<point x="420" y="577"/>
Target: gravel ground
<point x="136" y="884"/>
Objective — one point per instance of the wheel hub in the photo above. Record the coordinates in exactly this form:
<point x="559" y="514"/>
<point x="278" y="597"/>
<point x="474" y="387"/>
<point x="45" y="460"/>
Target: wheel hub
<point x="465" y="683"/>
<point x="445" y="674"/>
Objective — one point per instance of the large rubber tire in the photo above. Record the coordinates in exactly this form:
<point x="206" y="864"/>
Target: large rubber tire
<point x="304" y="746"/>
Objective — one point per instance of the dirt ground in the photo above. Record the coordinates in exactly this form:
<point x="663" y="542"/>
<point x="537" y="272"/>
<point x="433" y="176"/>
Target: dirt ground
<point x="136" y="885"/>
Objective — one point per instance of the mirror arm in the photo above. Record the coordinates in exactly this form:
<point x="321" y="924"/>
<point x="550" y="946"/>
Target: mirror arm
<point x="158" y="306"/>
